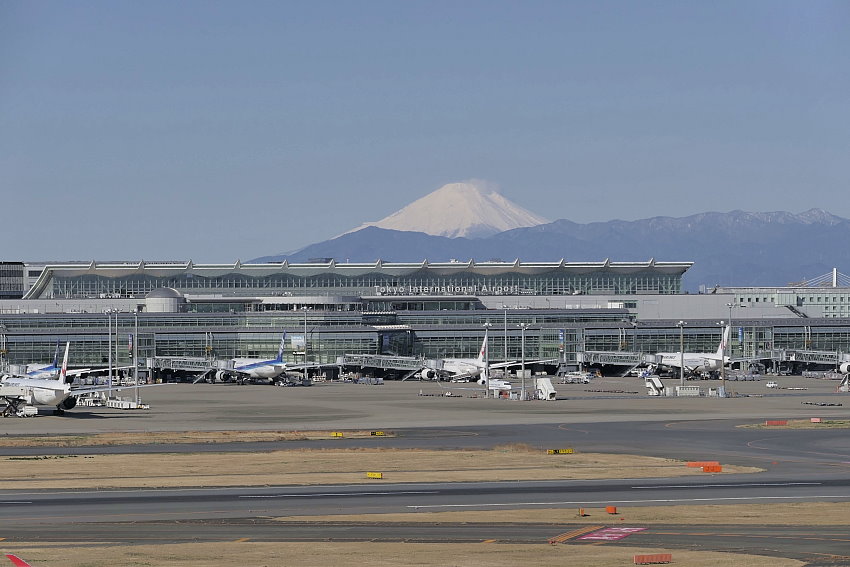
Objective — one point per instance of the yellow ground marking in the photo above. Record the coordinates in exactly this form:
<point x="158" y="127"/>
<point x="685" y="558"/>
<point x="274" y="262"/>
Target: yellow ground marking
<point x="577" y="532"/>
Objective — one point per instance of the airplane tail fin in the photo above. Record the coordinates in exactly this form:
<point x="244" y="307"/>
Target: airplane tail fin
<point x="482" y="353"/>
<point x="280" y="348"/>
<point x="56" y="354"/>
<point x="724" y="342"/>
<point x="64" y="372"/>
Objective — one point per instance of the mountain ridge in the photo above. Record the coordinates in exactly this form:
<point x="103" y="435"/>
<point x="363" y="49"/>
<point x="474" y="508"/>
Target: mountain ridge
<point x="738" y="248"/>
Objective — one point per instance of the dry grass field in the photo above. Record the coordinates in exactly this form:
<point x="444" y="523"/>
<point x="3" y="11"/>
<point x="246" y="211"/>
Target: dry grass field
<point x="329" y="466"/>
<point x="795" y="513"/>
<point x="171" y="437"/>
<point x="369" y="554"/>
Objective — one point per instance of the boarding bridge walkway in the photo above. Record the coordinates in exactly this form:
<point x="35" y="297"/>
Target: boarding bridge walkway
<point x="613" y="357"/>
<point x="812" y="356"/>
<point x="188" y="363"/>
<point x="384" y="362"/>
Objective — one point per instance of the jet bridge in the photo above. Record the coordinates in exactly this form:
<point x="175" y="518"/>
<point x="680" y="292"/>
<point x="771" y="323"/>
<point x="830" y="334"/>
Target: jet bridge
<point x="812" y="356"/>
<point x="381" y="361"/>
<point x="188" y="363"/>
<point x="617" y="358"/>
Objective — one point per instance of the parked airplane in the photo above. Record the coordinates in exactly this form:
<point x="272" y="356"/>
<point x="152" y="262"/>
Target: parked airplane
<point x="460" y="369"/>
<point x="51" y="371"/>
<point x="50" y="391"/>
<point x="260" y="369"/>
<point x="698" y="361"/>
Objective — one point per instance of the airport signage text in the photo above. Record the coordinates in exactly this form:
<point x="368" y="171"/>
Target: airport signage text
<point x="446" y="290"/>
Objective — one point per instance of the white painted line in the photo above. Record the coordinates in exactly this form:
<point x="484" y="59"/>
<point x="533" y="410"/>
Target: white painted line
<point x="842" y="498"/>
<point x="336" y="494"/>
<point x="729" y="485"/>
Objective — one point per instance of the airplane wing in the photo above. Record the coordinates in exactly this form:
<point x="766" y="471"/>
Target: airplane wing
<point x="505" y="364"/>
<point x="78" y="371"/>
<point x="17" y="560"/>
<point x="293" y="366"/>
<point x="527" y="362"/>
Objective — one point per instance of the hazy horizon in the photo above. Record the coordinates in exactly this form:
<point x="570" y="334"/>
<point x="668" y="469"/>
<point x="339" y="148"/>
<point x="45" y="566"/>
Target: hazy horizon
<point x="224" y="131"/>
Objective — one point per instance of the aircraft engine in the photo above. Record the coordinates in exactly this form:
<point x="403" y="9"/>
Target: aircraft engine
<point x="844" y="368"/>
<point x="222" y="376"/>
<point x="428" y="374"/>
<point x="68" y="403"/>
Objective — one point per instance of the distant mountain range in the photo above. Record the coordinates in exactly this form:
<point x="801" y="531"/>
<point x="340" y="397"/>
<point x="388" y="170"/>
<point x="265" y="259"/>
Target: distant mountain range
<point x="736" y="248"/>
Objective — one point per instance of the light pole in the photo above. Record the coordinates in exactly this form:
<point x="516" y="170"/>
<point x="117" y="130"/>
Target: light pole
<point x="109" y="346"/>
<point x="136" y="354"/>
<point x="305" y="308"/>
<point x="681" y="325"/>
<point x="723" y="347"/>
<point x="487" y="326"/>
<point x="523" y="327"/>
<point x="505" y="307"/>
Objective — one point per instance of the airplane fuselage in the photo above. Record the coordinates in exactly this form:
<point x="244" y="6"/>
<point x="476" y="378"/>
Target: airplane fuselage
<point x="463" y="366"/>
<point x="41" y="392"/>
<point x="693" y="361"/>
<point x="256" y="368"/>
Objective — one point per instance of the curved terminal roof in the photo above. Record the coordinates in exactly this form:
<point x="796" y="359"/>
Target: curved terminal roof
<point x="166" y="269"/>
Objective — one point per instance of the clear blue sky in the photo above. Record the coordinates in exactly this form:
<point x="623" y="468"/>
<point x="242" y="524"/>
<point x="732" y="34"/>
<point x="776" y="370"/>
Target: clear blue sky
<point x="224" y="130"/>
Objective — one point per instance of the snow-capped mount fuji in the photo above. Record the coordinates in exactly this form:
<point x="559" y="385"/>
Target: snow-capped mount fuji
<point x="735" y="248"/>
<point x="470" y="209"/>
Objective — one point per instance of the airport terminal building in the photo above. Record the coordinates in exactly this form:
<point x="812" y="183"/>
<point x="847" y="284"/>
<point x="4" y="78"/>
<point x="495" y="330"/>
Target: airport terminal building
<point x="558" y="310"/>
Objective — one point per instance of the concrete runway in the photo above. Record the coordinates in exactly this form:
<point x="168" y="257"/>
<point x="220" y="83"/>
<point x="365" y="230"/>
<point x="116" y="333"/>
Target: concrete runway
<point x="226" y="514"/>
<point x="182" y="407"/>
<point x="801" y="465"/>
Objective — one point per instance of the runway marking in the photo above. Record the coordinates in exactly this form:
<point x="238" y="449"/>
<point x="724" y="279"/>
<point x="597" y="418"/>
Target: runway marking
<point x="561" y="538"/>
<point x="338" y="494"/>
<point x="242" y="540"/>
<point x="587" y="502"/>
<point x="754" y="536"/>
<point x="751" y="444"/>
<point x="729" y="485"/>
<point x="611" y="534"/>
<point x="489" y="541"/>
<point x="562" y="428"/>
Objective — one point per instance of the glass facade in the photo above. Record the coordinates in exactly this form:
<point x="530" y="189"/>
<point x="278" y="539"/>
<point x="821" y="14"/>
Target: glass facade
<point x="11" y="280"/>
<point x="551" y="334"/>
<point x="449" y="279"/>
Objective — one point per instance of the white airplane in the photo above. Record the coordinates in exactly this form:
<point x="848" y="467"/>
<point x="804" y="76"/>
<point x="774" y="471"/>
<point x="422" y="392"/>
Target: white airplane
<point x="50" y="391"/>
<point x="48" y="371"/>
<point x="461" y="369"/>
<point x="698" y="361"/>
<point x="260" y="369"/>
